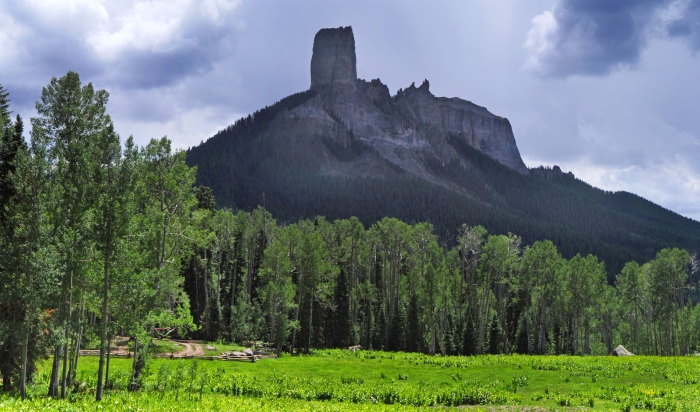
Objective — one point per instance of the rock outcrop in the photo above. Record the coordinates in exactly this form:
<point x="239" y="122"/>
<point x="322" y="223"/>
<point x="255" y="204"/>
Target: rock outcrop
<point x="407" y="132"/>
<point x="621" y="351"/>
<point x="333" y="59"/>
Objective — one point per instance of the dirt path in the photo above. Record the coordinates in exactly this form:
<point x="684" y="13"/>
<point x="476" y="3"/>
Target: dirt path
<point x="191" y="350"/>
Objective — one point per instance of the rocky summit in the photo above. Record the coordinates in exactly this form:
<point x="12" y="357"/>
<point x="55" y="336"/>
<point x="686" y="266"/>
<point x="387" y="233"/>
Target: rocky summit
<point x="353" y="127"/>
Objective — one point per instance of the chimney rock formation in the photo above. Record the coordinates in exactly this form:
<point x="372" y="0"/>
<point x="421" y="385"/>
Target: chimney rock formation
<point x="333" y="57"/>
<point x="410" y="132"/>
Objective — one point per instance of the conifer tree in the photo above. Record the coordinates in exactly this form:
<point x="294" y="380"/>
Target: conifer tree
<point x="414" y="337"/>
<point x="469" y="343"/>
<point x="495" y="337"/>
<point x="341" y="314"/>
<point x="27" y="261"/>
<point x="4" y="109"/>
<point x="396" y="341"/>
<point x="379" y="338"/>
<point x="523" y="341"/>
<point x="11" y="141"/>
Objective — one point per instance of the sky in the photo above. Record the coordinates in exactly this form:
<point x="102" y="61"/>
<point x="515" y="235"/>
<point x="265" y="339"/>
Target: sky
<point x="609" y="90"/>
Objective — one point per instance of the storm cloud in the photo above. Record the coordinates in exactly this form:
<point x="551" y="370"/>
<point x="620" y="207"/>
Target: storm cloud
<point x="687" y="26"/>
<point x="610" y="93"/>
<point x="597" y="37"/>
<point x="120" y="44"/>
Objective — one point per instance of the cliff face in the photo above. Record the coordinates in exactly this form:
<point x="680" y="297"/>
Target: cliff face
<point x="354" y="127"/>
<point x="333" y="58"/>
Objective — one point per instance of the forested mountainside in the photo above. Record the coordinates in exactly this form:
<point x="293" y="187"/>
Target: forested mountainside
<point x="346" y="147"/>
<point x="246" y="169"/>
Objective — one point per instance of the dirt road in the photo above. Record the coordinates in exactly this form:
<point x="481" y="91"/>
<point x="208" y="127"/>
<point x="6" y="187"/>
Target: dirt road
<point x="191" y="350"/>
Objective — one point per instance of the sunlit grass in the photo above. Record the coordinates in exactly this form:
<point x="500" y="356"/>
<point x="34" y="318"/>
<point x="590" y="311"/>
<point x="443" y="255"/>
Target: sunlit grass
<point x="340" y="379"/>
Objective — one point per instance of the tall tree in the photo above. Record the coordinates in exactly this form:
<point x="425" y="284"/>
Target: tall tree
<point x="585" y="277"/>
<point x="34" y="258"/>
<point x="669" y="276"/>
<point x="540" y="280"/>
<point x="167" y="224"/>
<point x="278" y="290"/>
<point x="629" y="288"/>
<point x="70" y="118"/>
<point x="25" y="256"/>
<point x="115" y="177"/>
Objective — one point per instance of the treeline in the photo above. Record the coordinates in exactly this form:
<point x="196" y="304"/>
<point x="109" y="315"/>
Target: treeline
<point x="321" y="284"/>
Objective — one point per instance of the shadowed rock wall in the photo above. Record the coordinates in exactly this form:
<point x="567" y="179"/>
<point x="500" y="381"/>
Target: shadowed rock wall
<point x="333" y="58"/>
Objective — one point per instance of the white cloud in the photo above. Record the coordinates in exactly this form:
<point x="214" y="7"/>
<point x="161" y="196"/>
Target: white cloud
<point x="153" y="26"/>
<point x="539" y="39"/>
<point x="187" y="129"/>
<point x="11" y="36"/>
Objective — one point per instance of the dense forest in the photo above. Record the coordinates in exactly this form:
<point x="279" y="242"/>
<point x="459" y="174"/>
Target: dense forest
<point x="245" y="169"/>
<point x="393" y="286"/>
<point x="100" y="238"/>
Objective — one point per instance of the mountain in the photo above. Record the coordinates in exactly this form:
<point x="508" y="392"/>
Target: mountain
<point x="346" y="147"/>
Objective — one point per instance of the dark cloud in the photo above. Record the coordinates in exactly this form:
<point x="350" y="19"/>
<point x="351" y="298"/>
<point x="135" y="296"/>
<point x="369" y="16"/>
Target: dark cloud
<point x="187" y="68"/>
<point x="591" y="37"/>
<point x="688" y="26"/>
<point x="200" y="45"/>
<point x="146" y="69"/>
<point x="120" y="47"/>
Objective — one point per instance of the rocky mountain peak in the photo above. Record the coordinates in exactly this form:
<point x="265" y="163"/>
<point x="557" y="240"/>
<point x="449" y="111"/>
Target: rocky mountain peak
<point x="425" y="86"/>
<point x="352" y="127"/>
<point x="333" y="59"/>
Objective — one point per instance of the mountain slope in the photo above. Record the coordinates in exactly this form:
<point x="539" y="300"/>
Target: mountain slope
<point x="346" y="147"/>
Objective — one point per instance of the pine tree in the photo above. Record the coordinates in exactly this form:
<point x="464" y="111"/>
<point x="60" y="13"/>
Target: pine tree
<point x="450" y="345"/>
<point x="379" y="338"/>
<point x="397" y="336"/>
<point x="522" y="343"/>
<point x="11" y="141"/>
<point x="414" y="337"/>
<point x="469" y="345"/>
<point x="205" y="198"/>
<point x="342" y="311"/>
<point x="4" y="108"/>
<point x="27" y="267"/>
<point x="495" y="337"/>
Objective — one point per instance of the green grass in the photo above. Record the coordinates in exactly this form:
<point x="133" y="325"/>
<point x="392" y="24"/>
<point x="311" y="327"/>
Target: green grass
<point x="368" y="379"/>
<point x="159" y="346"/>
<point x="149" y="402"/>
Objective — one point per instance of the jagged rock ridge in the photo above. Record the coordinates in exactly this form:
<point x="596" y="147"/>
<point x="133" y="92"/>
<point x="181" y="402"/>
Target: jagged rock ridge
<point x="401" y="131"/>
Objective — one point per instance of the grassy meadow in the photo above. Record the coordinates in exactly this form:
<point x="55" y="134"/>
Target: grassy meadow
<point x="368" y="380"/>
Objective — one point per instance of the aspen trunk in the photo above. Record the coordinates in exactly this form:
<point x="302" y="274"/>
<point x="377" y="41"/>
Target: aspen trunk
<point x="103" y="338"/>
<point x="25" y="345"/>
<point x="109" y="353"/>
<point x="55" y="367"/>
<point x="296" y="316"/>
<point x="64" y="370"/>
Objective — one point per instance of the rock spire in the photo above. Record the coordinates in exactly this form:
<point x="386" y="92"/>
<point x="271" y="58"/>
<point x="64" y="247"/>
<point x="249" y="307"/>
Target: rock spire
<point x="333" y="59"/>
